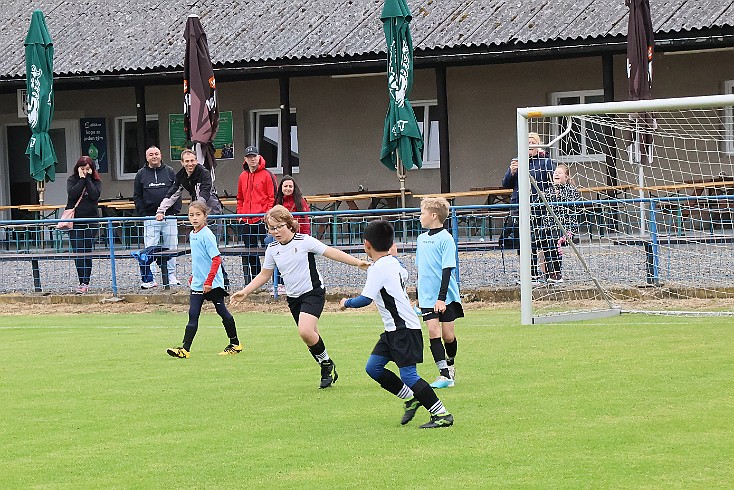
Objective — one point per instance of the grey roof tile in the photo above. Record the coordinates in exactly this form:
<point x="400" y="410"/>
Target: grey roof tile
<point x="98" y="36"/>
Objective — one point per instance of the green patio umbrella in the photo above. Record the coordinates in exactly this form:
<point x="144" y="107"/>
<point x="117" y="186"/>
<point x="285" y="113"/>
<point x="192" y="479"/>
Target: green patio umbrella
<point x="402" y="143"/>
<point x="39" y="55"/>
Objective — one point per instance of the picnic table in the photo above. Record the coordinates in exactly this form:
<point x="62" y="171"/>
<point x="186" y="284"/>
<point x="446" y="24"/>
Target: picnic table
<point x="707" y="209"/>
<point x="492" y="194"/>
<point x="331" y="202"/>
<point x="387" y="199"/>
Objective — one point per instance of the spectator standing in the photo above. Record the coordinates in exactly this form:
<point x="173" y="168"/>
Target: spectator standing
<point x="195" y="179"/>
<point x="83" y="188"/>
<point x="289" y="195"/>
<point x="541" y="170"/>
<point x="560" y="196"/>
<point x="255" y="195"/>
<point x="152" y="183"/>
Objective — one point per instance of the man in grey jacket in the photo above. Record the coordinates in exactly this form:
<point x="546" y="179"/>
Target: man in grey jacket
<point x="152" y="184"/>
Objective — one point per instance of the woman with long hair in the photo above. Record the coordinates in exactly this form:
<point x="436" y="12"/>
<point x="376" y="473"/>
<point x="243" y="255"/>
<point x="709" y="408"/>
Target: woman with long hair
<point x="290" y="197"/>
<point x="83" y="188"/>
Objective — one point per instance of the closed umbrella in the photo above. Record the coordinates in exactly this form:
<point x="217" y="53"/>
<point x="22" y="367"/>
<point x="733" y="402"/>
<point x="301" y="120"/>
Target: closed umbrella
<point x="39" y="56"/>
<point x="639" y="72"/>
<point x="402" y="143"/>
<point x="639" y="49"/>
<point x="201" y="114"/>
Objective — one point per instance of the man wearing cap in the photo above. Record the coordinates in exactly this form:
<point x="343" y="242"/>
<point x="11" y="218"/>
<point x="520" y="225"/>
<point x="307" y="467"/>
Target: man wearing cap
<point x="255" y="195"/>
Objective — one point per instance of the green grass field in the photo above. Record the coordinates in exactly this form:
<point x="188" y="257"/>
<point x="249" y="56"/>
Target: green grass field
<point x="93" y="401"/>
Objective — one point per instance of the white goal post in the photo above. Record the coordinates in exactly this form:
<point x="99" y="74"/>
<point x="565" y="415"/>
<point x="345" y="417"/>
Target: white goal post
<point x="652" y="228"/>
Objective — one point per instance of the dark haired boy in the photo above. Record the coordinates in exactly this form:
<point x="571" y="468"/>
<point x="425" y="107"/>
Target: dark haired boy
<point x="402" y="340"/>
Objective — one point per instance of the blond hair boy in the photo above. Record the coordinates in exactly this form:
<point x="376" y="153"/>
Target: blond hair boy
<point x="438" y="291"/>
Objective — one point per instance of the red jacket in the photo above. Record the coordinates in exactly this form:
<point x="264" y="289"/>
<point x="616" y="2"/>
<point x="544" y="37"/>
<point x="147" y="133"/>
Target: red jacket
<point x="255" y="191"/>
<point x="303" y="222"/>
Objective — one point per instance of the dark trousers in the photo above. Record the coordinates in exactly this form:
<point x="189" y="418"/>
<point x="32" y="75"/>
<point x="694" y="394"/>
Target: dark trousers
<point x="251" y="236"/>
<point x="196" y="301"/>
<point x="81" y="238"/>
<point x="548" y="244"/>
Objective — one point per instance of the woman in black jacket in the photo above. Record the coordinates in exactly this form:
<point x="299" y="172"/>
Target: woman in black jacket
<point x="84" y="181"/>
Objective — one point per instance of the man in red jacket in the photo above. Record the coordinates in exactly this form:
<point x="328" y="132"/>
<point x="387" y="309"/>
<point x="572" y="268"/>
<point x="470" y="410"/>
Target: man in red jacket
<point x="255" y="195"/>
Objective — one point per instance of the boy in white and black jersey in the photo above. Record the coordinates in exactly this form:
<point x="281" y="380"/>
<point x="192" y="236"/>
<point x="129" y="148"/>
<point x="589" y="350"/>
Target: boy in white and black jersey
<point x="402" y="340"/>
<point x="294" y="255"/>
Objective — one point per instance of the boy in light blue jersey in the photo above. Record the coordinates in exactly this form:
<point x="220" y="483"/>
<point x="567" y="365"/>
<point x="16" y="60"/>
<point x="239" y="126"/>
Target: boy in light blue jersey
<point x="438" y="292"/>
<point x="402" y="340"/>
<point x="207" y="283"/>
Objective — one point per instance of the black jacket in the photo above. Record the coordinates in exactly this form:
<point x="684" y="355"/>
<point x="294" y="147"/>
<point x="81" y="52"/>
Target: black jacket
<point x="151" y="187"/>
<point x="199" y="187"/>
<point x="87" y="207"/>
<point x="541" y="169"/>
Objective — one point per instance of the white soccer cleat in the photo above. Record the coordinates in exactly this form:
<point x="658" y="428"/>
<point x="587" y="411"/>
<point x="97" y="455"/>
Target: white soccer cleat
<point x="442" y="382"/>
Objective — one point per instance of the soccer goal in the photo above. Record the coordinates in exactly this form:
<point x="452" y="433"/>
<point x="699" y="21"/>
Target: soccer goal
<point x="650" y="226"/>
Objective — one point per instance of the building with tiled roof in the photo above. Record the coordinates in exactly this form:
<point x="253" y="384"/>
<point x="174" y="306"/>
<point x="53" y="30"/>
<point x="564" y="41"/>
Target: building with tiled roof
<point x="475" y="60"/>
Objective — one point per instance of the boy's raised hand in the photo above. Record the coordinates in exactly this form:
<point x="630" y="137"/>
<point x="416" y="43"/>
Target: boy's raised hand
<point x="364" y="265"/>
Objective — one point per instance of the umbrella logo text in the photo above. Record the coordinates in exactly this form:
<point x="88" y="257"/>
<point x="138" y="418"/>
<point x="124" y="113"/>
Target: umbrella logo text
<point x="34" y="98"/>
<point x="399" y="85"/>
<point x="398" y="127"/>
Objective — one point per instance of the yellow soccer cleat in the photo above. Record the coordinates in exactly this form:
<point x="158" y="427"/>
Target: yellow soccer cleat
<point x="231" y="350"/>
<point x="178" y="352"/>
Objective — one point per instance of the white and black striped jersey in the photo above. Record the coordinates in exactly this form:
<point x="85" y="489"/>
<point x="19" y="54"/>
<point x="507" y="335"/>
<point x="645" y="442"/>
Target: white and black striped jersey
<point x="386" y="280"/>
<point x="296" y="263"/>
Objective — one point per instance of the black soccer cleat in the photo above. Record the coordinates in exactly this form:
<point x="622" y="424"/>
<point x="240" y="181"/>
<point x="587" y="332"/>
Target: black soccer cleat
<point x="411" y="406"/>
<point x="442" y="420"/>
<point x="328" y="373"/>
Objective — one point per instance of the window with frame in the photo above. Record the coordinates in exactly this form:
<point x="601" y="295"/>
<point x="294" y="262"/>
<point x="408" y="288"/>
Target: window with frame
<point x="426" y="113"/>
<point x="126" y="137"/>
<point x="265" y="127"/>
<point x="583" y="142"/>
<point x="729" y="119"/>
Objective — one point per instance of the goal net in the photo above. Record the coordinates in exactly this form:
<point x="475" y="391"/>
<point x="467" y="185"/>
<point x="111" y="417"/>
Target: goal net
<point x="626" y="206"/>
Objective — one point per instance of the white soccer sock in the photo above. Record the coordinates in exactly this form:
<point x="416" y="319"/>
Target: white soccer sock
<point x="405" y="393"/>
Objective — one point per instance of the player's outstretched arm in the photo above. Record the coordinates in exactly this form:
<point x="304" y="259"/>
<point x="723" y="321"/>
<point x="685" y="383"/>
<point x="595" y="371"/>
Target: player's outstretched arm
<point x="359" y="302"/>
<point x="339" y="256"/>
<point x="258" y="281"/>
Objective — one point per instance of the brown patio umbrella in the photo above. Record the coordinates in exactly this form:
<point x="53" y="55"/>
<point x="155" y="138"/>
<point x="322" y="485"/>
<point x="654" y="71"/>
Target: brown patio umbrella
<point x="639" y="72"/>
<point x="201" y="113"/>
<point x="639" y="49"/>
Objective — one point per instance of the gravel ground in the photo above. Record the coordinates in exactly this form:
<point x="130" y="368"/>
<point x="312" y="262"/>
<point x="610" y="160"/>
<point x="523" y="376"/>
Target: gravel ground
<point x="685" y="271"/>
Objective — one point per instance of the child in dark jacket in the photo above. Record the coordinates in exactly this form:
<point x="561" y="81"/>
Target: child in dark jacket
<point x="553" y="235"/>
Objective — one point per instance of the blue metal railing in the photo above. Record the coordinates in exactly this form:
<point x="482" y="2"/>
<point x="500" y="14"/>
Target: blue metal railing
<point x="469" y="225"/>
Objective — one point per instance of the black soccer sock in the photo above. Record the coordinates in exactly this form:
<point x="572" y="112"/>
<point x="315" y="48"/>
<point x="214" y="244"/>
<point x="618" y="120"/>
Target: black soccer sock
<point x="391" y="382"/>
<point x="437" y="350"/>
<point x="439" y="356"/>
<point x="229" y="327"/>
<point x="318" y="351"/>
<point x="189" y="335"/>
<point x="425" y="394"/>
<point x="450" y="352"/>
<point x="228" y="322"/>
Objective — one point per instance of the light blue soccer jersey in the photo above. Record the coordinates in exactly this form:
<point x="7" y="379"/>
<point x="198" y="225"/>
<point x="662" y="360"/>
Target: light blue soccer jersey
<point x="203" y="250"/>
<point x="433" y="254"/>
